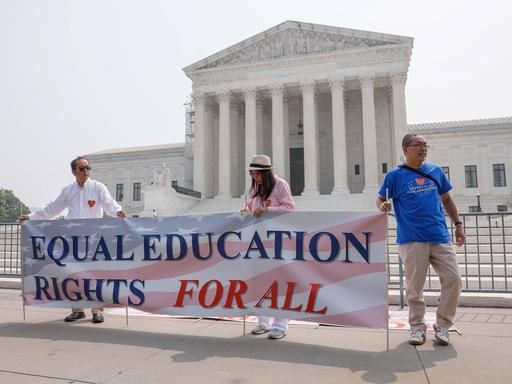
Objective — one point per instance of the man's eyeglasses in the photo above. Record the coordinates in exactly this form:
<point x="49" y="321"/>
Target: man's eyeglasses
<point x="253" y="173"/>
<point x="86" y="168"/>
<point x="420" y="145"/>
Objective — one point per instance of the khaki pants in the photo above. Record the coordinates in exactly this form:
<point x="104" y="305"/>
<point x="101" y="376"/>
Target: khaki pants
<point x="416" y="257"/>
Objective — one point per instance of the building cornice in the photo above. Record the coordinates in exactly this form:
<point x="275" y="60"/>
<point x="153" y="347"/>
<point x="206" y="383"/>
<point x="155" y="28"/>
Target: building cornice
<point x="358" y="57"/>
<point x="500" y="123"/>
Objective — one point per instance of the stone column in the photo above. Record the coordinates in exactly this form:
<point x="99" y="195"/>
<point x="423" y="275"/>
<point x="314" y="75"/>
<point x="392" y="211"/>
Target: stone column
<point x="310" y="140"/>
<point x="286" y="133"/>
<point x="224" y="190"/>
<point x="369" y="134"/>
<point x="251" y="135"/>
<point x="198" y="168"/>
<point x="339" y="141"/>
<point x="237" y="158"/>
<point x="278" y="131"/>
<point x="397" y="85"/>
<point x="209" y="150"/>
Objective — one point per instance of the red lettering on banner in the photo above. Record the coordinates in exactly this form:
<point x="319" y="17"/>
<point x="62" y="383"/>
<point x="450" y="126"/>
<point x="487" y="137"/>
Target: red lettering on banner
<point x="313" y="292"/>
<point x="233" y="293"/>
<point x="219" y="290"/>
<point x="237" y="288"/>
<point x="183" y="291"/>
<point x="271" y="295"/>
<point x="290" y="287"/>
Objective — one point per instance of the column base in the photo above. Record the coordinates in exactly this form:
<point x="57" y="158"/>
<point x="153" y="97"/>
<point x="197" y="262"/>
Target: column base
<point x="371" y="190"/>
<point x="222" y="196"/>
<point x="310" y="192"/>
<point x="340" y="191"/>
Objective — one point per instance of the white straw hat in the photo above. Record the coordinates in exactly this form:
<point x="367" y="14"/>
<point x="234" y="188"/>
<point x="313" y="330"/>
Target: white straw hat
<point x="260" y="163"/>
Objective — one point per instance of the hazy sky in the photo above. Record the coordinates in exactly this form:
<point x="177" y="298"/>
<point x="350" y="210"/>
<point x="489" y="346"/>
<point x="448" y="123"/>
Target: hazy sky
<point x="82" y="76"/>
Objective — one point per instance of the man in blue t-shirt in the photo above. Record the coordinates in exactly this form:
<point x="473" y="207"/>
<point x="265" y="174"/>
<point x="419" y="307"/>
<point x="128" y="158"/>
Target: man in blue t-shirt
<point x="419" y="190"/>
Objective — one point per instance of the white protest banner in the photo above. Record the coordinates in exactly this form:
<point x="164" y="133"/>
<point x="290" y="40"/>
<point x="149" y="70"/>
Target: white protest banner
<point x="326" y="267"/>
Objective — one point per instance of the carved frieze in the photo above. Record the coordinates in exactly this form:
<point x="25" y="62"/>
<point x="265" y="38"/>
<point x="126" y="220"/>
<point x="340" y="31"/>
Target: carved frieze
<point x="293" y="43"/>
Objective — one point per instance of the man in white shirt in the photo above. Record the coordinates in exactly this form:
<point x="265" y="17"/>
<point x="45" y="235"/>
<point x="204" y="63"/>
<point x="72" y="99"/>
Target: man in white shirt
<point x="85" y="199"/>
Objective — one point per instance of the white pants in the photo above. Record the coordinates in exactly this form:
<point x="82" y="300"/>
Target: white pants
<point x="270" y="323"/>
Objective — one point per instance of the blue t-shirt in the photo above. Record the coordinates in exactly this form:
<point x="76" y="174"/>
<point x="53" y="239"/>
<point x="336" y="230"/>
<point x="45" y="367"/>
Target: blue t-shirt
<point x="418" y="207"/>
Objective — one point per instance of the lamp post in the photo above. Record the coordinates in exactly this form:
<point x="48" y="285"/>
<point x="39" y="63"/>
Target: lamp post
<point x="479" y="207"/>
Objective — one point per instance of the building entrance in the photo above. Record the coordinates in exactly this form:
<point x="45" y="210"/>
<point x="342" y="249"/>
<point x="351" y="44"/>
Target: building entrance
<point x="296" y="171"/>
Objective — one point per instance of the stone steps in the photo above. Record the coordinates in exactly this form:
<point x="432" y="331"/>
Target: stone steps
<point x="469" y="283"/>
<point x="470" y="270"/>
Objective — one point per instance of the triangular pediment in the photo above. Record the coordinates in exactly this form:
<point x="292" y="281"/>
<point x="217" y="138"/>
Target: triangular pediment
<point x="295" y="39"/>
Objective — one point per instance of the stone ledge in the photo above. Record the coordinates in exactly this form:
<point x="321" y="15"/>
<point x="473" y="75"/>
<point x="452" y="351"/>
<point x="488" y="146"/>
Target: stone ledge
<point x="467" y="299"/>
<point x="10" y="283"/>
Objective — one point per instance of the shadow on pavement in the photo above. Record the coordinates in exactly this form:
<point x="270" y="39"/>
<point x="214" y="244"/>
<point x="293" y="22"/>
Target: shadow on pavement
<point x="377" y="367"/>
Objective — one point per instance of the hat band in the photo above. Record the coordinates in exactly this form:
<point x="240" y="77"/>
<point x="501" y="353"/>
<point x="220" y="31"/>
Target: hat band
<point x="259" y="165"/>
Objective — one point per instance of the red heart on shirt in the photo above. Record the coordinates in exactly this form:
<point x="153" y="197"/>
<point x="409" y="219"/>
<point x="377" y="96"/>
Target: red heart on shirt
<point x="91" y="203"/>
<point x="267" y="203"/>
<point x="420" y="181"/>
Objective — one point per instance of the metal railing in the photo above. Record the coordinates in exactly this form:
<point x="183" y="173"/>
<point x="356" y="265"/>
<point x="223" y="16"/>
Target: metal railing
<point x="185" y="191"/>
<point x="10" y="250"/>
<point x="485" y="260"/>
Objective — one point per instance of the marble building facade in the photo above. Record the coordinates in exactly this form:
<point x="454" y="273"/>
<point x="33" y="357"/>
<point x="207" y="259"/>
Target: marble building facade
<point x="328" y="105"/>
<point x="311" y="95"/>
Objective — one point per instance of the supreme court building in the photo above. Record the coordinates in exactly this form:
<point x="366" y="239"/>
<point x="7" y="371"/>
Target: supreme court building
<point x="322" y="101"/>
<point x="326" y="103"/>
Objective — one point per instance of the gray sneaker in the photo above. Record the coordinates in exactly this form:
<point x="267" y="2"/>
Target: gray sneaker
<point x="442" y="335"/>
<point x="276" y="334"/>
<point x="418" y="337"/>
<point x="259" y="329"/>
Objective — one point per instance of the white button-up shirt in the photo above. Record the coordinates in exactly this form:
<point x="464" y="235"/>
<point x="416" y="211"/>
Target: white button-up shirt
<point x="87" y="202"/>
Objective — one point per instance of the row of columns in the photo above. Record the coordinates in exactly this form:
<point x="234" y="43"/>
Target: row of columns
<point x="204" y="137"/>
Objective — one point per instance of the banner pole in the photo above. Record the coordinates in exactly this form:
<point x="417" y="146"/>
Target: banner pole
<point x="22" y="266"/>
<point x="387" y="275"/>
<point x="126" y="315"/>
<point x="244" y="326"/>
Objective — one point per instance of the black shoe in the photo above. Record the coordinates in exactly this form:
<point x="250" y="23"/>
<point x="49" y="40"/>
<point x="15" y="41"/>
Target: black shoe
<point x="74" y="316"/>
<point x="97" y="318"/>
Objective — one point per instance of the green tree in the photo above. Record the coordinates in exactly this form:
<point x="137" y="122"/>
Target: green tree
<point x="10" y="207"/>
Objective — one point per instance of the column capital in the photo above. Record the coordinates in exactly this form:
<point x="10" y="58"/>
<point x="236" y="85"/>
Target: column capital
<point x="277" y="90"/>
<point x="397" y="78"/>
<point x="308" y="86"/>
<point x="367" y="80"/>
<point x="337" y="84"/>
<point x="224" y="96"/>
<point x="250" y="93"/>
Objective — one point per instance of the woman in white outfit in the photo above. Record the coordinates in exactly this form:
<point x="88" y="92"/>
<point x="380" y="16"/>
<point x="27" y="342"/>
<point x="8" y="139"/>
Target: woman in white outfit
<point x="268" y="193"/>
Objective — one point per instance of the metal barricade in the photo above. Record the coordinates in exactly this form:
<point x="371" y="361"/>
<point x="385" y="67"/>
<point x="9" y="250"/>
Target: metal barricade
<point x="10" y="251"/>
<point x="484" y="260"/>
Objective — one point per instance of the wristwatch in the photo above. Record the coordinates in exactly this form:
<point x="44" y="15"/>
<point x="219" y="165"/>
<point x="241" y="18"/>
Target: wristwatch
<point x="457" y="223"/>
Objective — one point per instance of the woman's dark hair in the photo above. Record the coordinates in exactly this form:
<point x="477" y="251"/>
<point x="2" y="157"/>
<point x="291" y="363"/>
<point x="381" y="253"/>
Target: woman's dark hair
<point x="264" y="189"/>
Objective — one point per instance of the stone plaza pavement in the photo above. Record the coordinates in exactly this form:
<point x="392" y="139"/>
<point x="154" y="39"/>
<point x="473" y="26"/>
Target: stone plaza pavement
<point x="44" y="349"/>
